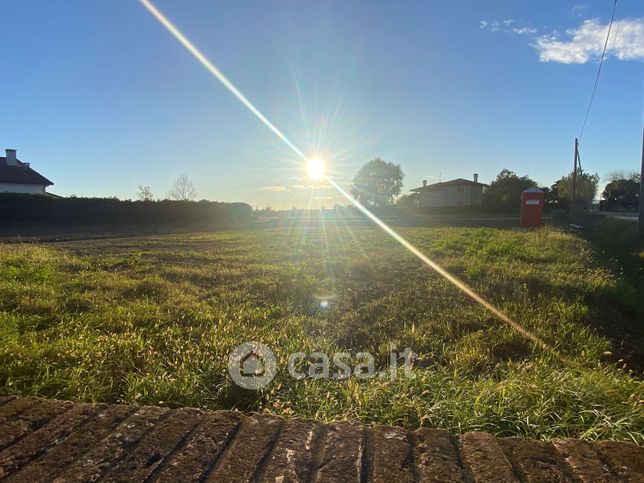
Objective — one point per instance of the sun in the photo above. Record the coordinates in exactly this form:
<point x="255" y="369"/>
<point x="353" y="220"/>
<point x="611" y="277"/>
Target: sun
<point x="315" y="169"/>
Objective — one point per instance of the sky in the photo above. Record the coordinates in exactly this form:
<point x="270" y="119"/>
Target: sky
<point x="100" y="98"/>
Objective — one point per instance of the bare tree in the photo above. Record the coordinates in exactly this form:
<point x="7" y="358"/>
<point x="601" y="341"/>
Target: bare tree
<point x="183" y="189"/>
<point x="622" y="174"/>
<point x="144" y="193"/>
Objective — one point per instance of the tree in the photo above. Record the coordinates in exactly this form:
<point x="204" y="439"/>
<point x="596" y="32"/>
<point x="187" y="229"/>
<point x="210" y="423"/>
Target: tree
<point x="586" y="186"/>
<point x="622" y="192"/>
<point x="408" y="201"/>
<point x="377" y="183"/>
<point x="505" y="191"/>
<point x="183" y="189"/>
<point x="144" y="193"/>
<point x="625" y="175"/>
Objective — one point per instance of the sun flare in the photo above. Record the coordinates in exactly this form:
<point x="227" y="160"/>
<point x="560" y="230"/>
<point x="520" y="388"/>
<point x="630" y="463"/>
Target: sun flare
<point x="315" y="169"/>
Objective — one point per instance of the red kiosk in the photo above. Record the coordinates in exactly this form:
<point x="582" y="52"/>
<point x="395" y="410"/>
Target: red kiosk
<point x="532" y="201"/>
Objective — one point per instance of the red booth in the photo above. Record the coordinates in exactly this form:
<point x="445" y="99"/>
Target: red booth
<point x="532" y="201"/>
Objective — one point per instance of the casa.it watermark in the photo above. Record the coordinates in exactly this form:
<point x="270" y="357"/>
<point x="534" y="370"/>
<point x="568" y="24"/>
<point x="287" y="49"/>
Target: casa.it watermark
<point x="252" y="365"/>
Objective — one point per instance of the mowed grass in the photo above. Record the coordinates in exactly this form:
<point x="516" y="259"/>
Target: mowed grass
<point x="151" y="320"/>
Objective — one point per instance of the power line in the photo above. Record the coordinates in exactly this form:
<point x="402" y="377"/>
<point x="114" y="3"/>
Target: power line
<point x="634" y="80"/>
<point x="599" y="70"/>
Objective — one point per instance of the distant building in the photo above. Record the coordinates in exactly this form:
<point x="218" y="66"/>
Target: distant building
<point x="457" y="192"/>
<point x="18" y="177"/>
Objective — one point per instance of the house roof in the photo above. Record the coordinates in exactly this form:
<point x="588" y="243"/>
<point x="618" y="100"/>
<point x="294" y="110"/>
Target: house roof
<point x="453" y="182"/>
<point x="21" y="173"/>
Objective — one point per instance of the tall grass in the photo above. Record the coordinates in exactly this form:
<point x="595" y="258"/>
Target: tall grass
<point x="152" y="320"/>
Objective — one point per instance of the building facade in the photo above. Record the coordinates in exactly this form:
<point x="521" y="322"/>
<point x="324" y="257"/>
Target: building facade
<point x="457" y="192"/>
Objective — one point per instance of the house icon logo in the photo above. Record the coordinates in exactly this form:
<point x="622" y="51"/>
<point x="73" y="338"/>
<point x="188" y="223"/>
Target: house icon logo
<point x="252" y="365"/>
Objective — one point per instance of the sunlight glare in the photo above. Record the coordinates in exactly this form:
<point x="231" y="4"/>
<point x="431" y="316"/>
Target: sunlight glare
<point x="315" y="169"/>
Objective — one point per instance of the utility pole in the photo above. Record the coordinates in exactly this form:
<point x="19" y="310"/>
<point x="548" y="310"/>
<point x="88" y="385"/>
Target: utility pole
<point x="641" y="220"/>
<point x="574" y="183"/>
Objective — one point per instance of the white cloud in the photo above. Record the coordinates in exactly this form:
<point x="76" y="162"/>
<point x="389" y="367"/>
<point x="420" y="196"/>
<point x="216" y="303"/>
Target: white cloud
<point x="303" y="187"/>
<point x="274" y="189"/>
<point x="587" y="41"/>
<point x="524" y="31"/>
<point x="506" y="26"/>
<point x="578" y="10"/>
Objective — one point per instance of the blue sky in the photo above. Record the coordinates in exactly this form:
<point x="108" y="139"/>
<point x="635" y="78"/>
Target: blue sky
<point x="100" y="98"/>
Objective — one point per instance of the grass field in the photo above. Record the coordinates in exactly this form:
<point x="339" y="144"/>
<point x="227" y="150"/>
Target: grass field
<point x="151" y="320"/>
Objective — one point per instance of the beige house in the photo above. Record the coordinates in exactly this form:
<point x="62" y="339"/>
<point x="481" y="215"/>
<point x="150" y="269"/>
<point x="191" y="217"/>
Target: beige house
<point x="457" y="192"/>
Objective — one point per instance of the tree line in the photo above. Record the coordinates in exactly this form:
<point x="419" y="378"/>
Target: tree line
<point x="378" y="183"/>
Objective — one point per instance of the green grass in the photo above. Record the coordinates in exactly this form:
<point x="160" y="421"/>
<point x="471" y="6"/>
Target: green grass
<point x="151" y="320"/>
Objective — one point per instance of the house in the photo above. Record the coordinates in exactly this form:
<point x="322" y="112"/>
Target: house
<point x="457" y="192"/>
<point x="252" y="364"/>
<point x="18" y="177"/>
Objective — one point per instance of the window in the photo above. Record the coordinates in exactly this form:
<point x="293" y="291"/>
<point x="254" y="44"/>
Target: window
<point x="460" y="189"/>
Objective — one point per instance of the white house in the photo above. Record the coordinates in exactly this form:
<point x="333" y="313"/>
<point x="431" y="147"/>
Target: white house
<point x="18" y="177"/>
<point x="457" y="192"/>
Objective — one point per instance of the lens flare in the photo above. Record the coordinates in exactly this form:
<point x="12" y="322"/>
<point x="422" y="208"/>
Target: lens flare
<point x="315" y="169"/>
<point x="216" y="72"/>
<point x="436" y="267"/>
<point x="320" y="172"/>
